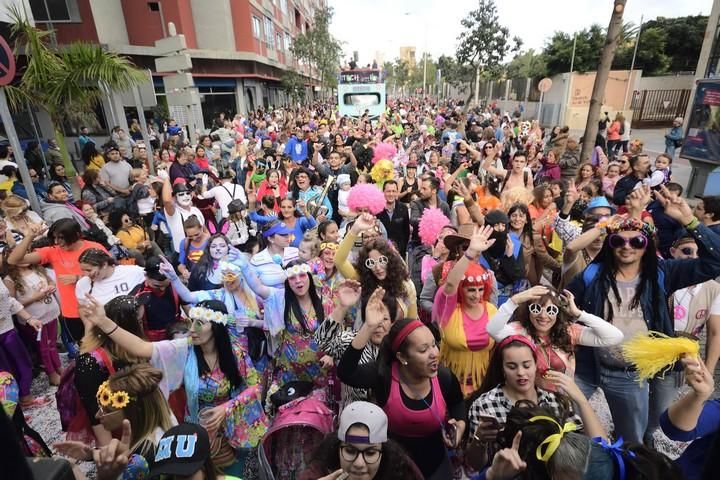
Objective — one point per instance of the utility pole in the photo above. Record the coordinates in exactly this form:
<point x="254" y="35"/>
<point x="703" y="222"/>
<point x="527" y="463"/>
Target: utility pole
<point x="632" y="64"/>
<point x="603" y="72"/>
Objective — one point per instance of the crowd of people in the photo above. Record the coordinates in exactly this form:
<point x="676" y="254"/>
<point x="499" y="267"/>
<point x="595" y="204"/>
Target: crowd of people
<point x="432" y="294"/>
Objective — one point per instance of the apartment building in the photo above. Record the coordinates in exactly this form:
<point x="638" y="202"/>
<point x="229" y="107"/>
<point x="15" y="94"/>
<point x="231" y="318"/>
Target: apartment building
<point x="239" y="48"/>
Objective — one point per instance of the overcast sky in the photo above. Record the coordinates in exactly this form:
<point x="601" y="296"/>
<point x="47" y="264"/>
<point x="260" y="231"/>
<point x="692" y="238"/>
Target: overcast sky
<point x="385" y="25"/>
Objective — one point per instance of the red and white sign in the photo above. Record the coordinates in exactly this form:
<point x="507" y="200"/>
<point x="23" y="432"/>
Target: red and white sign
<point x="7" y="63"/>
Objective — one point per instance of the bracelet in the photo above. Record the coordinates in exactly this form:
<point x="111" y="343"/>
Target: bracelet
<point x="693" y="224"/>
<point x="113" y="330"/>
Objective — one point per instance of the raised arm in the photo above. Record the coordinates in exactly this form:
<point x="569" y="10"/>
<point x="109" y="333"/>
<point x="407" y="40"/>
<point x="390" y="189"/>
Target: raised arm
<point x="596" y="331"/>
<point x="186" y="295"/>
<point x="479" y="242"/>
<point x="684" y="413"/>
<point x="591" y="422"/>
<point x="498" y="327"/>
<point x="167" y="199"/>
<point x="19" y="253"/>
<point x="92" y="311"/>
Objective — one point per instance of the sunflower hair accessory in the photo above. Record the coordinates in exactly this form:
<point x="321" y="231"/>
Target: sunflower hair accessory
<point x="553" y="440"/>
<point x="207" y="315"/>
<point x="297" y="270"/>
<point x="107" y="398"/>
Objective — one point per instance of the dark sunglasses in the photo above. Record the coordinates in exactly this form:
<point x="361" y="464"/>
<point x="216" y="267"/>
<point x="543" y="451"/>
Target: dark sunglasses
<point x="638" y="242"/>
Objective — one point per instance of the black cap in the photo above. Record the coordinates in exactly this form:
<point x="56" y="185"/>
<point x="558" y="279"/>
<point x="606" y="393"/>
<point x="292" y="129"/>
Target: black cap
<point x="236" y="206"/>
<point x="494" y="217"/>
<point x="180" y="187"/>
<point x="181" y="451"/>
<point x="152" y="268"/>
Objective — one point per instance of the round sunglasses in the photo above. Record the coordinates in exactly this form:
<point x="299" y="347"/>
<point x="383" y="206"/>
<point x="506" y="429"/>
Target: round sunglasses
<point x="536" y="309"/>
<point x="370" y="263"/>
<point x="638" y="242"/>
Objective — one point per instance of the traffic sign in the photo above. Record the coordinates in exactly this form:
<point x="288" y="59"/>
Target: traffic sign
<point x="7" y="63"/>
<point x="545" y="85"/>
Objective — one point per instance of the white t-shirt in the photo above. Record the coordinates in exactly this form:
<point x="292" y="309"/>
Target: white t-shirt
<point x="682" y="299"/>
<point x="175" y="223"/>
<point x="224" y="194"/>
<point x="123" y="279"/>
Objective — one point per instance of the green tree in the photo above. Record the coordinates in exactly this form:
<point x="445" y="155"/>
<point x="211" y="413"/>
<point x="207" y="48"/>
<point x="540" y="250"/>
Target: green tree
<point x="68" y="82"/>
<point x="452" y="72"/>
<point x="683" y="40"/>
<point x="294" y="85"/>
<point x="558" y="50"/>
<point x="484" y="43"/>
<point x="650" y="58"/>
<point x="527" y="64"/>
<point x="320" y="48"/>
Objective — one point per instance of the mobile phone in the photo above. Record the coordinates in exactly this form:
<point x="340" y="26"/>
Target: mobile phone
<point x="489" y="419"/>
<point x="451" y="433"/>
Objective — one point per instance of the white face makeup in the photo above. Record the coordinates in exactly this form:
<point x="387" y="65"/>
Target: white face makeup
<point x="184" y="199"/>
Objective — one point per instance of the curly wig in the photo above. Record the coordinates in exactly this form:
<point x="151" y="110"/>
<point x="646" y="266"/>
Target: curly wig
<point x="431" y="223"/>
<point x="394" y="281"/>
<point x="383" y="151"/>
<point x="364" y="195"/>
<point x="383" y="171"/>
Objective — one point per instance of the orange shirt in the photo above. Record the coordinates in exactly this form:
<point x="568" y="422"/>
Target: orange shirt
<point x="66" y="262"/>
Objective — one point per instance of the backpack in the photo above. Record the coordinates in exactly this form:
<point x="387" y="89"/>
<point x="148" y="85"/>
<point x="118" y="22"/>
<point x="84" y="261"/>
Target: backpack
<point x="73" y="417"/>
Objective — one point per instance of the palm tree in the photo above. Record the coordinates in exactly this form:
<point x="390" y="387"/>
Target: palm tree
<point x="67" y="82"/>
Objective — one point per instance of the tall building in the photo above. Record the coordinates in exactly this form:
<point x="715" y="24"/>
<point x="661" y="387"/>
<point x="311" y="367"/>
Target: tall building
<point x="239" y="48"/>
<point x="379" y="58"/>
<point x="407" y="54"/>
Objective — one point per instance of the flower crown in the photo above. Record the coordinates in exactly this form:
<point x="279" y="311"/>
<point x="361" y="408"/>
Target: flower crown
<point x="631" y="225"/>
<point x="207" y="315"/>
<point x="297" y="270"/>
<point x="107" y="397"/>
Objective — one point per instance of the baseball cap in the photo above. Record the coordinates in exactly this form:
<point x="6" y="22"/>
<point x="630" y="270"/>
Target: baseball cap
<point x="152" y="268"/>
<point x="494" y="217"/>
<point x="278" y="228"/>
<point x="181" y="451"/>
<point x="367" y="414"/>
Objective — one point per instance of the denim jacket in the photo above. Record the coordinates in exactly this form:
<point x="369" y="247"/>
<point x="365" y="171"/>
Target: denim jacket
<point x="677" y="274"/>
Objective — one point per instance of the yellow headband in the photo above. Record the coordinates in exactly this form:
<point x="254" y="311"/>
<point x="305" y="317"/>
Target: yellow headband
<point x="552" y="441"/>
<point x="107" y="397"/>
<point x="328" y="245"/>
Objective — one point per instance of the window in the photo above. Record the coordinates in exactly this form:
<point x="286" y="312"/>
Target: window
<point x="283" y="6"/>
<point x="63" y="11"/>
<point x="269" y="33"/>
<point x="288" y="41"/>
<point x="361" y="99"/>
<point x="256" y="27"/>
<point x="279" y="41"/>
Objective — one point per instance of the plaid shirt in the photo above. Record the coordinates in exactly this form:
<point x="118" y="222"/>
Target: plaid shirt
<point x="496" y="404"/>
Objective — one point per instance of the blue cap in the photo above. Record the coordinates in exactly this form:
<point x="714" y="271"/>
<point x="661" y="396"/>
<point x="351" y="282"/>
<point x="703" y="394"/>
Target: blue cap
<point x="278" y="229"/>
<point x="599" y="202"/>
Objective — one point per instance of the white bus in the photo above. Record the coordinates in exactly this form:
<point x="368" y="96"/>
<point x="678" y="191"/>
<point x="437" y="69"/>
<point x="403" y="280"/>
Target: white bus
<point x="360" y="90"/>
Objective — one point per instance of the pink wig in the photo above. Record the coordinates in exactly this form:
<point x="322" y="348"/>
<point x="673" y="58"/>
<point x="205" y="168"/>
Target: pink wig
<point x="431" y="222"/>
<point x="384" y="151"/>
<point x="365" y="195"/>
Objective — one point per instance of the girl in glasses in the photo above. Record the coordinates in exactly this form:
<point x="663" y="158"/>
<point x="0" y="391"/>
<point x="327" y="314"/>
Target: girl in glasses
<point x="555" y="325"/>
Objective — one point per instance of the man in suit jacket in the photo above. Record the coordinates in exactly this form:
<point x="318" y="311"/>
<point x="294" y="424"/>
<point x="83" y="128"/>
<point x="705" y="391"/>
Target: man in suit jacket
<point x="395" y="218"/>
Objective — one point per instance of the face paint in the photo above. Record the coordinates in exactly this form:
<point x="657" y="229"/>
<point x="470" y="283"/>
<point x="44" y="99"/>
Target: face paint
<point x="184" y="199"/>
<point x="218" y="249"/>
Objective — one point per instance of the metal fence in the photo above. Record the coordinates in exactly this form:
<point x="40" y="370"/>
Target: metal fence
<point x="658" y="108"/>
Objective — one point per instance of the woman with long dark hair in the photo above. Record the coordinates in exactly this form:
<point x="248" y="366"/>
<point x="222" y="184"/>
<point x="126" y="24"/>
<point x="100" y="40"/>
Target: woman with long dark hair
<point x="90" y="156"/>
<point x="422" y="399"/>
<point x="299" y="221"/>
<point x="57" y="174"/>
<point x="555" y="324"/>
<point x="511" y="379"/>
<point x="206" y="274"/>
<point x="378" y="265"/>
<point x="219" y="380"/>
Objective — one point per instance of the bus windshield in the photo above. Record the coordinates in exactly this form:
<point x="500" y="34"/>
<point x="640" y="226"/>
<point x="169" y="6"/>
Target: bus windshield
<point x="360" y="76"/>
